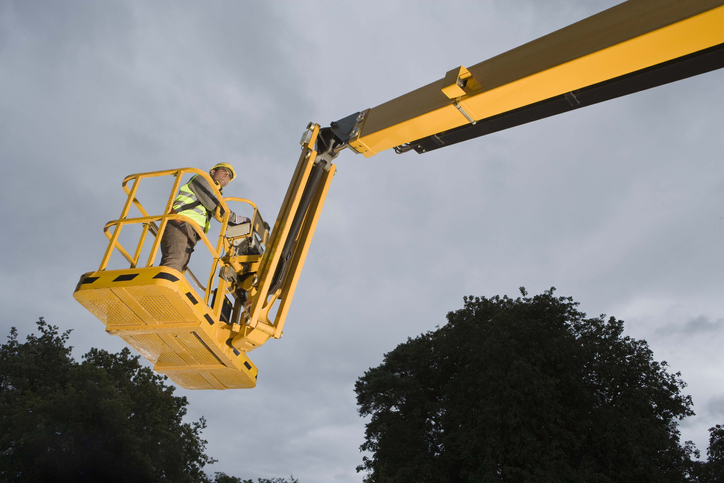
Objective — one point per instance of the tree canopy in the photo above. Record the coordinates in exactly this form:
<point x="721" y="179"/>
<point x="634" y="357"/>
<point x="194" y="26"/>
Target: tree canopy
<point x="105" y="419"/>
<point x="713" y="470"/>
<point x="524" y="389"/>
<point x="224" y="478"/>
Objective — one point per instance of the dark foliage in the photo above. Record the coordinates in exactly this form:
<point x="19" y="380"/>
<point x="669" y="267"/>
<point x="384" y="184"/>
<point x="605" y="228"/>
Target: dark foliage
<point x="105" y="419"/>
<point x="524" y="389"/>
<point x="712" y="471"/>
<point x="224" y="478"/>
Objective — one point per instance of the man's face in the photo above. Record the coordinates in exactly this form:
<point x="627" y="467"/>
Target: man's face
<point x="221" y="175"/>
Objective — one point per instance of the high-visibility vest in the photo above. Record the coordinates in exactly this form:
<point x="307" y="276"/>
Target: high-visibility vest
<point x="188" y="205"/>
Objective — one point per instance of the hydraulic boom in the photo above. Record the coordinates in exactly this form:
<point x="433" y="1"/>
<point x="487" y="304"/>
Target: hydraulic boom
<point x="200" y="335"/>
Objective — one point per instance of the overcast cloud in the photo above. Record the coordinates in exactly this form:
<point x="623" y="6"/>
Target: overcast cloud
<point x="619" y="205"/>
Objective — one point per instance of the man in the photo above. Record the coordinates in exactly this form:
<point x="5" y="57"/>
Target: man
<point x="195" y="200"/>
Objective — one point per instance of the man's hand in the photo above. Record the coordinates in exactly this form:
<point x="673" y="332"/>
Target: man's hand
<point x="218" y="216"/>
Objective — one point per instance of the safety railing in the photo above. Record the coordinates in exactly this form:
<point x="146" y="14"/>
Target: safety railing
<point x="131" y="186"/>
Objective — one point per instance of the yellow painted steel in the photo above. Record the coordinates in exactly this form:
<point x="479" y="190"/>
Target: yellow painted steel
<point x="303" y="241"/>
<point x="259" y="327"/>
<point x="158" y="313"/>
<point x="200" y="338"/>
<point x="188" y="334"/>
<point x="626" y="38"/>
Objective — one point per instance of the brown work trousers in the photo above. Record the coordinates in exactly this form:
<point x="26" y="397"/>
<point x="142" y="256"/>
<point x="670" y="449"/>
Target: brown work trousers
<point x="177" y="244"/>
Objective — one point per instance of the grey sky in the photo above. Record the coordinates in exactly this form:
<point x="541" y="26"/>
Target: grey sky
<point x="619" y="205"/>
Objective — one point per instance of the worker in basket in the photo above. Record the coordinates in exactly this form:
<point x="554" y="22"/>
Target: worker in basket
<point x="195" y="200"/>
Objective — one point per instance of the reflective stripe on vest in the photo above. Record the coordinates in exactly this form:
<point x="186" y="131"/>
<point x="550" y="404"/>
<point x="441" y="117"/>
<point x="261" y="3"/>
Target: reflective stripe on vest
<point x="188" y="205"/>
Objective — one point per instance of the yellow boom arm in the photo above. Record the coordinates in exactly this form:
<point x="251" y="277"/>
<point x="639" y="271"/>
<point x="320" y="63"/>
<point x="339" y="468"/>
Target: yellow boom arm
<point x="633" y="46"/>
<point x="200" y="338"/>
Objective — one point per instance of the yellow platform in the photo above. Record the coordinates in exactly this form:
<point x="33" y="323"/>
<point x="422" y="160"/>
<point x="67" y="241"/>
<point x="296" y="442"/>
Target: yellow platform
<point x="157" y="312"/>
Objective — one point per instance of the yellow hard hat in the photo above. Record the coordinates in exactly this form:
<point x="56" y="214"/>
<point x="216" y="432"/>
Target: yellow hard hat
<point x="227" y="166"/>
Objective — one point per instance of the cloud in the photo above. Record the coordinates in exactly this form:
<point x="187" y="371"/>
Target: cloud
<point x="614" y="204"/>
<point x="698" y="325"/>
<point x="715" y="408"/>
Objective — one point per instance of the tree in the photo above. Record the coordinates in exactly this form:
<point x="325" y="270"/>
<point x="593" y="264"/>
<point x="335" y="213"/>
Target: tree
<point x="712" y="471"/>
<point x="105" y="419"/>
<point x="224" y="478"/>
<point x="524" y="389"/>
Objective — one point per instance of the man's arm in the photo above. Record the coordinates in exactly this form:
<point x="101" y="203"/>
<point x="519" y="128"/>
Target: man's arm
<point x="206" y="197"/>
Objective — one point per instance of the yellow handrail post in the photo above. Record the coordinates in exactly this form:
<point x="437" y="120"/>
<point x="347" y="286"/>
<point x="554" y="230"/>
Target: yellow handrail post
<point x="117" y="231"/>
<point x="164" y="221"/>
<point x="137" y="255"/>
